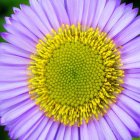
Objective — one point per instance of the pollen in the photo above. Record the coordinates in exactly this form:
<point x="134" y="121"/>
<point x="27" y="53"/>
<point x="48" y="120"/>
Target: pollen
<point x="75" y="74"/>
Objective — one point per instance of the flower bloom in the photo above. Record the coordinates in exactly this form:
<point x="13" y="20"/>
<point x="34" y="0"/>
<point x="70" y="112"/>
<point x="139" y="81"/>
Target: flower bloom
<point x="70" y="70"/>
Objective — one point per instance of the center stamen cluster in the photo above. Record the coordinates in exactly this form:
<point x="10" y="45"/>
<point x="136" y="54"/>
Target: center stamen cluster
<point x="75" y="74"/>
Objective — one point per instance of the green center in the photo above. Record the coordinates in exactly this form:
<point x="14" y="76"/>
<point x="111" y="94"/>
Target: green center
<point x="74" y="74"/>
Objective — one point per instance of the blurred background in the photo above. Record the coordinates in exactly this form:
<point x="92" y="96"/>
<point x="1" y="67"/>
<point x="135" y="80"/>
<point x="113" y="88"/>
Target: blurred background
<point x="6" y="10"/>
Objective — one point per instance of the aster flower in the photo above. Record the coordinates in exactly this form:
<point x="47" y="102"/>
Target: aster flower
<point x="69" y="70"/>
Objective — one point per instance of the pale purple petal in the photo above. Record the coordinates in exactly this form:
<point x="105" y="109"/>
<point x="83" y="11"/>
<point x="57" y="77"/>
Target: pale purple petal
<point x="17" y="111"/>
<point x="75" y="10"/>
<point x="61" y="12"/>
<point x="20" y="41"/>
<point x="130" y="104"/>
<point x="92" y="132"/>
<point x="36" y="6"/>
<point x="36" y="130"/>
<point x="67" y="135"/>
<point x="34" y="18"/>
<point x="127" y="120"/>
<point x="131" y="66"/>
<point x="10" y="85"/>
<point x="118" y="12"/>
<point x="108" y="134"/>
<point x="106" y="14"/>
<point x="99" y="9"/>
<point x="13" y="93"/>
<point x="127" y="18"/>
<point x="13" y="101"/>
<point x="121" y="129"/>
<point x="7" y="20"/>
<point x="61" y="132"/>
<point x="84" y="135"/>
<point x="75" y="133"/>
<point x="50" y="13"/>
<point x="44" y="133"/>
<point x="128" y="33"/>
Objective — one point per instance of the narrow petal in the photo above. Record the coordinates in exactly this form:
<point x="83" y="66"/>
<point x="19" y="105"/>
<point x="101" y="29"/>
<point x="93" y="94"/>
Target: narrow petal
<point x="92" y="132"/>
<point x="12" y="93"/>
<point x="75" y="133"/>
<point x="51" y="14"/>
<point x="44" y="133"/>
<point x="17" y="111"/>
<point x="67" y="135"/>
<point x="75" y="10"/>
<point x="61" y="132"/>
<point x="36" y="6"/>
<point x="99" y="9"/>
<point x="118" y="12"/>
<point x="106" y="14"/>
<point x="61" y="12"/>
<point x="128" y="33"/>
<point x="53" y="131"/>
<point x="127" y="120"/>
<point x="84" y="132"/>
<point x="127" y="18"/>
<point x="122" y="130"/>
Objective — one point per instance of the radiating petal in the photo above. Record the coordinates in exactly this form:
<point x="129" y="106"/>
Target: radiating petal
<point x="127" y="18"/>
<point x="127" y="120"/>
<point x="75" y="10"/>
<point x="84" y="132"/>
<point x="122" y="130"/>
<point x="92" y="132"/>
<point x="67" y="135"/>
<point x="75" y="133"/>
<point x="99" y="9"/>
<point x="106" y="14"/>
<point x="61" y="132"/>
<point x="129" y="32"/>
<point x="108" y="134"/>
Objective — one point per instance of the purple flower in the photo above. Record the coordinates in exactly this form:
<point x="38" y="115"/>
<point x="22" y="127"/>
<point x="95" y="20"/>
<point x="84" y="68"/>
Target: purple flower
<point x="70" y="70"/>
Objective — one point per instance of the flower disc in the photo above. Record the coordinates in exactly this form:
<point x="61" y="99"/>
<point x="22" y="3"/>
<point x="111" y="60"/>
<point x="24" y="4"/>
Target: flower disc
<point x="75" y="74"/>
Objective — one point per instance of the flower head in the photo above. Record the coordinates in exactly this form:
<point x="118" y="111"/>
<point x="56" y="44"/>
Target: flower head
<point x="70" y="71"/>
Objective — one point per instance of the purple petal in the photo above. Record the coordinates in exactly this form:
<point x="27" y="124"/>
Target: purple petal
<point x="36" y="6"/>
<point x="13" y="93"/>
<point x="121" y="129"/>
<point x="35" y="131"/>
<point x="10" y="85"/>
<point x="127" y="18"/>
<point x="17" y="111"/>
<point x="99" y="9"/>
<point x="131" y="66"/>
<point x="92" y="132"/>
<point x="44" y="133"/>
<point x="74" y="133"/>
<point x="106" y="14"/>
<point x="127" y="120"/>
<point x="108" y="134"/>
<point x="20" y="41"/>
<point x="61" y="132"/>
<point x="84" y="135"/>
<point x="27" y="22"/>
<point x="61" y="12"/>
<point x="53" y="131"/>
<point x="99" y="130"/>
<point x="130" y="104"/>
<point x="51" y="14"/>
<point x="24" y="128"/>
<point x="128" y="33"/>
<point x="118" y="12"/>
<point x="75" y="10"/>
<point x="17" y="28"/>
<point x="35" y="20"/>
<point x="7" y="20"/>
<point x="134" y="95"/>
<point x="67" y="135"/>
<point x="13" y="101"/>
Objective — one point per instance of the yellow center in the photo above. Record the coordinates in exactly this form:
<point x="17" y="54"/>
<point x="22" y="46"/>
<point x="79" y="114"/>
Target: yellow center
<point x="75" y="74"/>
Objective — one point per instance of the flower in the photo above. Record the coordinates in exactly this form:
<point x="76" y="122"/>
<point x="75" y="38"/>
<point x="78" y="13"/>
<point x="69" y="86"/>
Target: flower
<point x="70" y="71"/>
